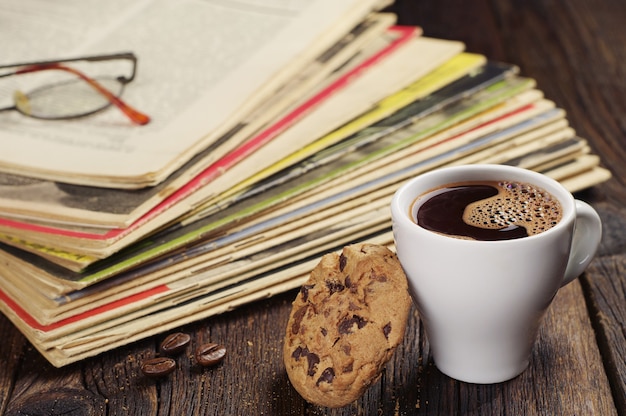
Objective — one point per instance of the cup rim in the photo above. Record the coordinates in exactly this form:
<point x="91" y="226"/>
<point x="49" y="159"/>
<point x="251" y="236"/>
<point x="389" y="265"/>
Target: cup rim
<point x="401" y="210"/>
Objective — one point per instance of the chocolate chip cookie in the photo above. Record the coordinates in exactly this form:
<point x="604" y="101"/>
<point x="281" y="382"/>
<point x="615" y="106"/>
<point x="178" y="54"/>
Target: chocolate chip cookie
<point x="345" y="324"/>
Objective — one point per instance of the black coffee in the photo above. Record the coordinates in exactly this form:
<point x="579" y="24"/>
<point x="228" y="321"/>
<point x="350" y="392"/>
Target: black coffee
<point x="488" y="210"/>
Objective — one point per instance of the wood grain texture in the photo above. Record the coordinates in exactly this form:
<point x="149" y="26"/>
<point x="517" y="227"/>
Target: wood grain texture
<point x="607" y="297"/>
<point x="576" y="51"/>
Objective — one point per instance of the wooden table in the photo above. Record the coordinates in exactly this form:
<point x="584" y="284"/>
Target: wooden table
<point x="576" y="50"/>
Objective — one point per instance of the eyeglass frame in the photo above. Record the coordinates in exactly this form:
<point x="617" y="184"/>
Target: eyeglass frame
<point x="30" y="67"/>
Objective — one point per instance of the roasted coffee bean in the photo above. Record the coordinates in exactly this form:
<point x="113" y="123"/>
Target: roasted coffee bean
<point x="210" y="354"/>
<point x="175" y="343"/>
<point x="158" y="366"/>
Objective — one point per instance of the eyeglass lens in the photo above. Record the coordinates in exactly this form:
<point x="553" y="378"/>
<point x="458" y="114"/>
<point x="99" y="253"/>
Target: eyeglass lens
<point x="67" y="99"/>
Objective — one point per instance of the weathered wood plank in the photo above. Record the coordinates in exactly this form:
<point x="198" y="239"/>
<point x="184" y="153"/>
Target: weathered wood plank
<point x="252" y="378"/>
<point x="607" y="295"/>
<point x="117" y="379"/>
<point x="42" y="389"/>
<point x="11" y="350"/>
<point x="575" y="50"/>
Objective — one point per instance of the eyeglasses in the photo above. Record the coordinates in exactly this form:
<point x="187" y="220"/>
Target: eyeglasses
<point x="74" y="97"/>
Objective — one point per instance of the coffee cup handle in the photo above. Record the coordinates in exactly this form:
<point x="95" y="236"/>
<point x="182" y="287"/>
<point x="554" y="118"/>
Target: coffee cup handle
<point x="585" y="241"/>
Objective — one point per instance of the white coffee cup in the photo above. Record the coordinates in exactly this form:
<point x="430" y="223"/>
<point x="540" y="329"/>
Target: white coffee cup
<point x="481" y="302"/>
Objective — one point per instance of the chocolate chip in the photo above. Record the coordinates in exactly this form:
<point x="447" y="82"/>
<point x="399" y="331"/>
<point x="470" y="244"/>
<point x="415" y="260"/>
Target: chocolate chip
<point x="378" y="277"/>
<point x="327" y="376"/>
<point x="324" y="331"/>
<point x="334" y="286"/>
<point x="175" y="343"/>
<point x="312" y="358"/>
<point x="348" y="282"/>
<point x="297" y="353"/>
<point x="158" y="366"/>
<point x="346" y="349"/>
<point x="297" y="319"/>
<point x="210" y="354"/>
<point x="347" y="368"/>
<point x="305" y="291"/>
<point x="346" y="325"/>
<point x="353" y="307"/>
<point x="343" y="260"/>
<point x="387" y="330"/>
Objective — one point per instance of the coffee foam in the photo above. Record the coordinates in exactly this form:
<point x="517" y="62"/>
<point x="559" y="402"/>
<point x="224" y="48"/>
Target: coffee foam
<point x="516" y="204"/>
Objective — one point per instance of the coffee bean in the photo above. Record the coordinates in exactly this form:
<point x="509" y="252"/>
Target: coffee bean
<point x="210" y="354"/>
<point x="158" y="366"/>
<point x="175" y="343"/>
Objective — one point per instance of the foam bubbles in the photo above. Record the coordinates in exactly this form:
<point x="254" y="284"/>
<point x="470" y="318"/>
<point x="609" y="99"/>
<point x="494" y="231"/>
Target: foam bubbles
<point x="516" y="204"/>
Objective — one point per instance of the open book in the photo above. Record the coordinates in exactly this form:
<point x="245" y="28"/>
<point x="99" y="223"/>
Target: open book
<point x="193" y="88"/>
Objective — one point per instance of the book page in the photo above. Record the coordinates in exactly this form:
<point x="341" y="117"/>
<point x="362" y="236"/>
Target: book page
<point x="201" y="63"/>
<point x="69" y="205"/>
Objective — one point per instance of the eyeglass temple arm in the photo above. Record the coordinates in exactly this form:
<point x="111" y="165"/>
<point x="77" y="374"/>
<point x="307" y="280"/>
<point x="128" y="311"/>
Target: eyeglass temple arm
<point x="134" y="115"/>
<point x="93" y="58"/>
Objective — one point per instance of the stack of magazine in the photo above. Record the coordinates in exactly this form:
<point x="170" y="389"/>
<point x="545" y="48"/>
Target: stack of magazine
<point x="278" y="133"/>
